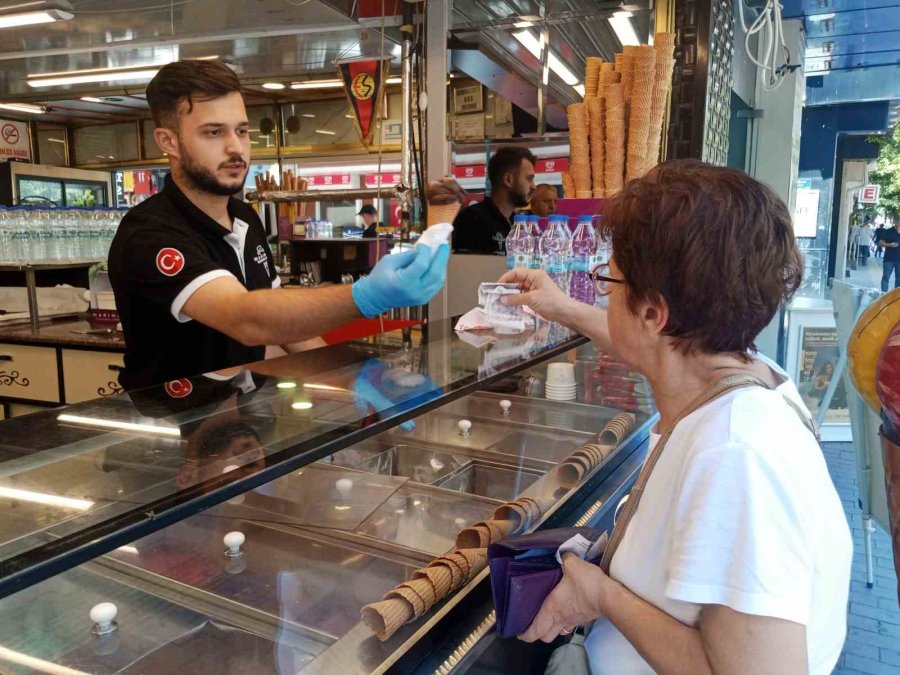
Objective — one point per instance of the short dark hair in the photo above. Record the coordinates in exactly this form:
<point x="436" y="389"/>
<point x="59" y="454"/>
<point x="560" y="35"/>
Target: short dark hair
<point x="507" y="159"/>
<point x="715" y="244"/>
<point x="187" y="80"/>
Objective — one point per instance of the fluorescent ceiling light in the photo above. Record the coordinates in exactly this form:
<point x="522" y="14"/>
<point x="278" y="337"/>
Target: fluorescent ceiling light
<point x="92" y="99"/>
<point x="580" y="89"/>
<point x="309" y="115"/>
<point x="325" y="132"/>
<point x="623" y="28"/>
<point x="272" y="85"/>
<point x="24" y="108"/>
<point x="34" y="13"/>
<point x="286" y="385"/>
<point x="319" y="169"/>
<point x="533" y="45"/>
<point x="821" y="17"/>
<point x="57" y="140"/>
<point x="119" y="426"/>
<point x="99" y="74"/>
<point x="301" y="405"/>
<point x="333" y="84"/>
<point x="43" y="498"/>
<point x="128" y="549"/>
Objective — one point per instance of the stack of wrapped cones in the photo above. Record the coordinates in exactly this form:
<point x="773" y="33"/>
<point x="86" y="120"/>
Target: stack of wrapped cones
<point x="664" y="44"/>
<point x="408" y="601"/>
<point x="579" y="149"/>
<point x="643" y="63"/>
<point x="615" y="135"/>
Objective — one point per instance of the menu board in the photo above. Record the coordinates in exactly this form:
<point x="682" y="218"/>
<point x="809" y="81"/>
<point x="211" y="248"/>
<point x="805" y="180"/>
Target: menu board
<point x="819" y="354"/>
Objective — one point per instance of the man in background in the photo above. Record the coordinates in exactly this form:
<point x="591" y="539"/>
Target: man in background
<point x="369" y="216"/>
<point x="864" y="240"/>
<point x="543" y="201"/>
<point x="483" y="227"/>
<point x="890" y="242"/>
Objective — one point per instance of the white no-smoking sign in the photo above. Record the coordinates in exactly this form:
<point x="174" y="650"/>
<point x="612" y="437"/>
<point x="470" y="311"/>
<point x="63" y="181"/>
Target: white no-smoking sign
<point x="14" y="140"/>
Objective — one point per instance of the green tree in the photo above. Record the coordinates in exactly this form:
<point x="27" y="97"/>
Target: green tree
<point x="887" y="172"/>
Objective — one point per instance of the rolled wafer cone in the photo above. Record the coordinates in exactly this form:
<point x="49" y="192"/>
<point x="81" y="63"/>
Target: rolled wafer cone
<point x="584" y="194"/>
<point x="440" y="577"/>
<point x="598" y="194"/>
<point x="615" y="139"/>
<point x="496" y="533"/>
<point x="536" y="511"/>
<point x="619" y="62"/>
<point x="424" y="589"/>
<point x="664" y="43"/>
<point x="628" y="71"/>
<point x="662" y="85"/>
<point x="476" y="558"/>
<point x="570" y="474"/>
<point x="460" y="560"/>
<point x="410" y="596"/>
<point x="442" y="213"/>
<point x="568" y="185"/>
<point x="474" y="536"/>
<point x="617" y="429"/>
<point x="385" y="617"/>
<point x="547" y="496"/>
<point x="643" y="84"/>
<point x="529" y="510"/>
<point x="456" y="572"/>
<point x="584" y="457"/>
<point x="596" y="451"/>
<point x="505" y="527"/>
<point x="514" y="512"/>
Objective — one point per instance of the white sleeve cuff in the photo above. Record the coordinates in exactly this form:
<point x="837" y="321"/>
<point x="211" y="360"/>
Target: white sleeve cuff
<point x="186" y="292"/>
<point x="276" y="282"/>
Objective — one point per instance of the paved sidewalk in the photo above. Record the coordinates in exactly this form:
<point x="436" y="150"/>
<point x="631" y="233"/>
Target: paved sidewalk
<point x="873" y="630"/>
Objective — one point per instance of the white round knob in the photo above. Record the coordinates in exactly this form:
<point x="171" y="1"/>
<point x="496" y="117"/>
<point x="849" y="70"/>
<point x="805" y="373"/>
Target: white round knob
<point x="464" y="427"/>
<point x="230" y="468"/>
<point x="233" y="540"/>
<point x="104" y="613"/>
<point x="505" y="406"/>
<point x="344" y="485"/>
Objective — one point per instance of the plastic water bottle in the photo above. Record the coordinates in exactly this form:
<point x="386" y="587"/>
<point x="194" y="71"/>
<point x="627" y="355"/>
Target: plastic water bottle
<point x="584" y="250"/>
<point x="534" y="228"/>
<point x="519" y="244"/>
<point x="554" y="248"/>
<point x="604" y="253"/>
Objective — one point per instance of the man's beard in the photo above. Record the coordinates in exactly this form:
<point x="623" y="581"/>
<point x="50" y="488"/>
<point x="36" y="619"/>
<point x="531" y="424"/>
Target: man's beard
<point x="519" y="198"/>
<point x="205" y="180"/>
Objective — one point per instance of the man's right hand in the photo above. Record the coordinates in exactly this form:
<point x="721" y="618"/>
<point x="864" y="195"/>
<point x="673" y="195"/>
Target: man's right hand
<point x="405" y="279"/>
<point x="445" y="191"/>
<point x="539" y="292"/>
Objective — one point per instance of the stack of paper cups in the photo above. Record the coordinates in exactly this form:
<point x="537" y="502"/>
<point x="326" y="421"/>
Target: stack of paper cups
<point x="560" y="384"/>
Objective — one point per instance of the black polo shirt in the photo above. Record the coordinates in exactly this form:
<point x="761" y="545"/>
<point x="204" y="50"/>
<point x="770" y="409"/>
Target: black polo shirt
<point x="164" y="250"/>
<point x="889" y="235"/>
<point x="481" y="228"/>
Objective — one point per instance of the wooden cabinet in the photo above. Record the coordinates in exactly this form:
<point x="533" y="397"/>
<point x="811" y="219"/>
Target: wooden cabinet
<point x="28" y="372"/>
<point x="88" y="375"/>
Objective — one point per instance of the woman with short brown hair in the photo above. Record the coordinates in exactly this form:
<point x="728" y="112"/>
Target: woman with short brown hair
<point x="735" y="555"/>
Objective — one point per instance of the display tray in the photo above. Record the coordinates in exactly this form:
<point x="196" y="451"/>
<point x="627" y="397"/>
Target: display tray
<point x="52" y="628"/>
<point x="502" y="482"/>
<point x="285" y="577"/>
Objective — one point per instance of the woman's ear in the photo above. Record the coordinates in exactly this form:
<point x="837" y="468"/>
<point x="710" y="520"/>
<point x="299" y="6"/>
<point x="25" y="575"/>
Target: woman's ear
<point x="655" y="315"/>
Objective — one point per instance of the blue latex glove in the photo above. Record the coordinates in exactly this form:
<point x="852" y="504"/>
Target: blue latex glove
<point x="379" y="387"/>
<point x="405" y="279"/>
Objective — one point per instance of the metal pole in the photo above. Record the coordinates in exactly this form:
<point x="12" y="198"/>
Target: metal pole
<point x="545" y="78"/>
<point x="406" y="31"/>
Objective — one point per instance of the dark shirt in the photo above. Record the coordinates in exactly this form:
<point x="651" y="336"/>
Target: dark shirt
<point x="889" y="235"/>
<point x="481" y="228"/>
<point x="164" y="250"/>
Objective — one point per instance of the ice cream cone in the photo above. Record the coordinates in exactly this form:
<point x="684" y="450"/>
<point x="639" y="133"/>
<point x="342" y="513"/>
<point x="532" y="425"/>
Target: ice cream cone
<point x="615" y="139"/>
<point x="514" y="512"/>
<point x="456" y="571"/>
<point x="496" y="534"/>
<point x="440" y="577"/>
<point x="584" y="457"/>
<point x="476" y="558"/>
<point x="424" y="589"/>
<point x="536" y="511"/>
<point x="410" y="596"/>
<point x="568" y="185"/>
<point x="570" y="474"/>
<point x="474" y="536"/>
<point x="664" y="43"/>
<point x="460" y="560"/>
<point x="442" y="213"/>
<point x="385" y="617"/>
<point x="617" y="429"/>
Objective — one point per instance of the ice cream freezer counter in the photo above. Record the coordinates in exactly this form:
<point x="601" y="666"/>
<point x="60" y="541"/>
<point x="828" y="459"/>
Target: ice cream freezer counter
<point x="240" y="523"/>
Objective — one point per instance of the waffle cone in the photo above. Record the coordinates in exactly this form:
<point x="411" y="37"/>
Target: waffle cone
<point x="607" y="67"/>
<point x="615" y="139"/>
<point x="664" y="43"/>
<point x="442" y="213"/>
<point x="504" y="527"/>
<point x="617" y="428"/>
<point x="628" y="71"/>
<point x="460" y="560"/>
<point x="513" y="512"/>
<point x="584" y="458"/>
<point x="547" y="497"/>
<point x="424" y="589"/>
<point x="598" y="194"/>
<point x="568" y="185"/>
<point x="662" y="85"/>
<point x="619" y="62"/>
<point x="570" y="474"/>
<point x="496" y="533"/>
<point x="440" y="577"/>
<point x="385" y="617"/>
<point x="456" y="575"/>
<point x="474" y="536"/>
<point x="409" y="595"/>
<point x="476" y="558"/>
<point x="531" y="504"/>
<point x="584" y="194"/>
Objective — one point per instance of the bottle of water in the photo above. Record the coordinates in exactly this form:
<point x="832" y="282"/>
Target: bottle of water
<point x="584" y="250"/>
<point x="534" y="228"/>
<point x="554" y="248"/>
<point x="519" y="244"/>
<point x="604" y="253"/>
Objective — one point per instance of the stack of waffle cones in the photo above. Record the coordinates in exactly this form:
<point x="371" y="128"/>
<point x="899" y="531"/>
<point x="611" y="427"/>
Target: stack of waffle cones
<point x="429" y="585"/>
<point x="581" y="462"/>
<point x="617" y="429"/>
<point x="615" y="135"/>
<point x="579" y="148"/>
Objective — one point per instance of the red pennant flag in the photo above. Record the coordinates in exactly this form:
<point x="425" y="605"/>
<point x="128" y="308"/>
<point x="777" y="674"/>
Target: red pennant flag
<point x="364" y="85"/>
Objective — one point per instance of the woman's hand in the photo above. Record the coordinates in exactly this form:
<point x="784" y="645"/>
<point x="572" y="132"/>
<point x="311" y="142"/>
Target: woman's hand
<point x="539" y="292"/>
<point x="578" y="599"/>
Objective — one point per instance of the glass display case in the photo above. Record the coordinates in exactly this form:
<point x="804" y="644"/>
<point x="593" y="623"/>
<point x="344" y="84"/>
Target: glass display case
<point x="238" y="522"/>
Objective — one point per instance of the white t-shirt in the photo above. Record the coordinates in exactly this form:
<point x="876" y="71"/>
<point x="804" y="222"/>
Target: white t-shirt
<point x="739" y="511"/>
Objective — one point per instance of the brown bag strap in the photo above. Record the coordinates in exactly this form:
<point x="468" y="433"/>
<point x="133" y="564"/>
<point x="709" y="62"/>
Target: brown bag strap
<point x="708" y="395"/>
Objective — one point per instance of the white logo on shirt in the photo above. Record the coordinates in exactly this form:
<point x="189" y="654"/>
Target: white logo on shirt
<point x="261" y="258"/>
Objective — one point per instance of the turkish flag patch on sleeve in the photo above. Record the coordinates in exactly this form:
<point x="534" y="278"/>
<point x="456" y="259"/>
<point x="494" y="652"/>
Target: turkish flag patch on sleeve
<point x="169" y="261"/>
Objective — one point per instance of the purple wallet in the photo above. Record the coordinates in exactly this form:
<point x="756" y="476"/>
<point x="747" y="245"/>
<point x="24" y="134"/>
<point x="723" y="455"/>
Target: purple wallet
<point x="524" y="571"/>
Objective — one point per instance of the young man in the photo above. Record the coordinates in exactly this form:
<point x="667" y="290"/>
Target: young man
<point x="890" y="242"/>
<point x="195" y="283"/>
<point x="482" y="228"/>
<point x="543" y="201"/>
<point x="369" y="216"/>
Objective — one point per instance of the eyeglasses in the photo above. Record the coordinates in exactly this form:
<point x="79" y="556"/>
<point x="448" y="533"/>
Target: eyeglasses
<point x="599" y="275"/>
